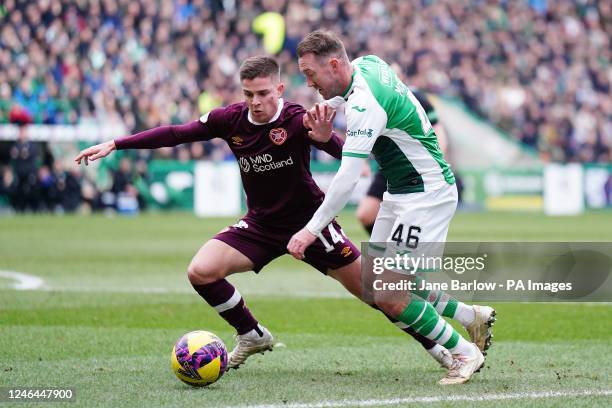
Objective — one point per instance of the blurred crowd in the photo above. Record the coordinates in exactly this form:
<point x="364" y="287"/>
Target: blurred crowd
<point x="538" y="69"/>
<point x="42" y="178"/>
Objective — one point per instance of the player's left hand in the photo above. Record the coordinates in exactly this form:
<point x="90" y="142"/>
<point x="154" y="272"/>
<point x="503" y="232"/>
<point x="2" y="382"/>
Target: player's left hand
<point x="320" y="121"/>
<point x="96" y="152"/>
<point x="299" y="242"/>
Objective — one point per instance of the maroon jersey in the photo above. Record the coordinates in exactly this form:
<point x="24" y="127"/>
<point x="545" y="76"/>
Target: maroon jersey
<point x="274" y="158"/>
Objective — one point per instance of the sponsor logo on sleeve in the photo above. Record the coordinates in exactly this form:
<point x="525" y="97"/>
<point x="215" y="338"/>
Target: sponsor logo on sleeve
<point x="358" y="108"/>
<point x="360" y="133"/>
<point x="278" y="136"/>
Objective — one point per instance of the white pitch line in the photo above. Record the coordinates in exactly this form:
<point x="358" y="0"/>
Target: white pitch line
<point x="24" y="281"/>
<point x="424" y="400"/>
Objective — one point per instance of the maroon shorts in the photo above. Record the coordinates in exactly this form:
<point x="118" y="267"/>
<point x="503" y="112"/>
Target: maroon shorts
<point x="262" y="244"/>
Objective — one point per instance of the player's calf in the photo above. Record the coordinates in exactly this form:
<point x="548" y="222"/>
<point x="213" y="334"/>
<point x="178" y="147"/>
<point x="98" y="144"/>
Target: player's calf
<point x="228" y="302"/>
<point x="477" y="320"/>
<point x="391" y="307"/>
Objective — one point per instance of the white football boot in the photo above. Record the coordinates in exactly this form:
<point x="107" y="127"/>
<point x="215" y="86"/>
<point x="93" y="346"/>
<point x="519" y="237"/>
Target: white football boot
<point x="442" y="356"/>
<point x="249" y="344"/>
<point x="480" y="329"/>
<point x="463" y="367"/>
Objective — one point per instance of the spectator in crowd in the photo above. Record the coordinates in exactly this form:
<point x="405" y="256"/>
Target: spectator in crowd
<point x="25" y="161"/>
<point x="59" y="190"/>
<point x="126" y="195"/>
<point x="7" y="185"/>
<point x="67" y="187"/>
<point x="539" y="70"/>
<point x="47" y="191"/>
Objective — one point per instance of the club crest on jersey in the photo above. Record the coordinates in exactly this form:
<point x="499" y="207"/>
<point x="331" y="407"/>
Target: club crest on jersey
<point x="237" y="140"/>
<point x="278" y="136"/>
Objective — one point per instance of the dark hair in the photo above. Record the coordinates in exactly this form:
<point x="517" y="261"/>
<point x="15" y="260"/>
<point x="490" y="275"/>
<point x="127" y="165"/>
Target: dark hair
<point x="259" y="66"/>
<point x="322" y="44"/>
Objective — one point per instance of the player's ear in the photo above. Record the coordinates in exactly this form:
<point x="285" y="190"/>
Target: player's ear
<point x="334" y="63"/>
<point x="280" y="88"/>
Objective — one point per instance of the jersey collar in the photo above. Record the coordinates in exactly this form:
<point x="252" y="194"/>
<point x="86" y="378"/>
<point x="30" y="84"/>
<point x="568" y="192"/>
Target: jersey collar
<point x="349" y="88"/>
<point x="281" y="103"/>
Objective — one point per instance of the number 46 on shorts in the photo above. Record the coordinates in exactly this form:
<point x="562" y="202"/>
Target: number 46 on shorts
<point x="412" y="239"/>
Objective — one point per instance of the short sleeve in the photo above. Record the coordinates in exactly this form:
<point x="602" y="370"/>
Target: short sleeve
<point x="365" y="121"/>
<point x="215" y="123"/>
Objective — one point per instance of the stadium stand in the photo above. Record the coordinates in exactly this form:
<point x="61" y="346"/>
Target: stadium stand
<point x="538" y="70"/>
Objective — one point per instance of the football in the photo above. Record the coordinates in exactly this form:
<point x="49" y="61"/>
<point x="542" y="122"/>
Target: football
<point x="199" y="358"/>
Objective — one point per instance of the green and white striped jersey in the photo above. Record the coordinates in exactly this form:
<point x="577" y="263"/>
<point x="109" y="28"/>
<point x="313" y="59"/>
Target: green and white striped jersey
<point x="385" y="118"/>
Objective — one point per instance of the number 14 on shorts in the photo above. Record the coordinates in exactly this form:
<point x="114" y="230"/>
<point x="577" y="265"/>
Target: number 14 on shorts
<point x="336" y="237"/>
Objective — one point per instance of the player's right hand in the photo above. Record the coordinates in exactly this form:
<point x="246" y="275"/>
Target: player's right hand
<point x="95" y="152"/>
<point x="320" y="120"/>
<point x="299" y="242"/>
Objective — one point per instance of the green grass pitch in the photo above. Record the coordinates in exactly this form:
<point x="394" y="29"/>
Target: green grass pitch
<point x="116" y="298"/>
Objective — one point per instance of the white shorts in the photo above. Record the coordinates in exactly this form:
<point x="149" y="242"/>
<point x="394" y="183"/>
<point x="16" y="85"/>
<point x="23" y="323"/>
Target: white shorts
<point x="405" y="220"/>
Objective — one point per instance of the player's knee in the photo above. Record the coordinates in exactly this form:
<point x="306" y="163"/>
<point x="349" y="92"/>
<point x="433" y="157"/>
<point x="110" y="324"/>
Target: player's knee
<point x="364" y="216"/>
<point x="202" y="273"/>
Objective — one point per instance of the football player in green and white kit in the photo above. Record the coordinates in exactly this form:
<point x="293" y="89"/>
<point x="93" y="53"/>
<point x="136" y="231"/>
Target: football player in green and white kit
<point x="384" y="118"/>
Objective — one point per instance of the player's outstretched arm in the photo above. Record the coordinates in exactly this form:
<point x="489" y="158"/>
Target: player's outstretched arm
<point x="96" y="152"/>
<point x="163" y="136"/>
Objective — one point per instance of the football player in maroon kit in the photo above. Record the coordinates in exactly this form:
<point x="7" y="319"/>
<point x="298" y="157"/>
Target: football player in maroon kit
<point x="271" y="139"/>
